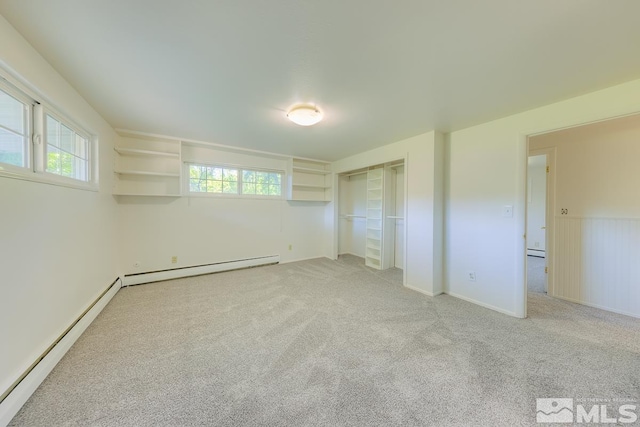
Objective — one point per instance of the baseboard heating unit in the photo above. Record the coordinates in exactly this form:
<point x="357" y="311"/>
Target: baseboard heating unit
<point x="176" y="273"/>
<point x="19" y="392"/>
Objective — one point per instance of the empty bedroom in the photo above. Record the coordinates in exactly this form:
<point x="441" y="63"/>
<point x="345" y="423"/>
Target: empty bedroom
<point x="304" y="213"/>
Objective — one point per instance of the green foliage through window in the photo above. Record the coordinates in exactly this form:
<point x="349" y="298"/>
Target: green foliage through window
<point x="222" y="180"/>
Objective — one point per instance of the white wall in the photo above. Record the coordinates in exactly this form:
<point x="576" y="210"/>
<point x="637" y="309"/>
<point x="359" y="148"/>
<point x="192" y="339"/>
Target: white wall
<point x="597" y="243"/>
<point x="353" y="201"/>
<point x="213" y="228"/>
<point x="424" y="169"/>
<point x="57" y="244"/>
<point x="486" y="171"/>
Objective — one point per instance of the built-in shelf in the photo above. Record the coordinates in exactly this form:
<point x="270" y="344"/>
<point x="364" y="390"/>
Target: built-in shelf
<point x="309" y="180"/>
<point x="148" y="173"/>
<point x="395" y="217"/>
<point x="311" y="170"/>
<point x="323" y="187"/>
<point x="147" y="166"/>
<point x="152" y="153"/>
<point x="146" y="195"/>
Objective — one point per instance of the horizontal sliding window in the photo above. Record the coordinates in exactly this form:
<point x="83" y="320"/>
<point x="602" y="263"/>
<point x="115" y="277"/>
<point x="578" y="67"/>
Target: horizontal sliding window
<point x="229" y="180"/>
<point x="14" y="129"/>
<point x="38" y="144"/>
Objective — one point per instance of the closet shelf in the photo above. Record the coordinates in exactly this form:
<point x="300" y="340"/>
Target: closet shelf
<point x="322" y="187"/>
<point x="395" y="217"/>
<point x="152" y="153"/>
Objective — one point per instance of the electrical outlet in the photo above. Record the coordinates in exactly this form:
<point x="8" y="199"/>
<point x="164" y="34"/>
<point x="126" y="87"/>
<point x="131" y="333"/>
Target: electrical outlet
<point x="174" y="259"/>
<point x="136" y="264"/>
<point x="290" y="247"/>
<point x="472" y="276"/>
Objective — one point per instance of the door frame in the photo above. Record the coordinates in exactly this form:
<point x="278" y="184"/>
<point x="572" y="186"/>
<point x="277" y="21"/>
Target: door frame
<point x="550" y="155"/>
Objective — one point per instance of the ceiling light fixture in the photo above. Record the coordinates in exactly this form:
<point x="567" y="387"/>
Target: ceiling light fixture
<point x="304" y="115"/>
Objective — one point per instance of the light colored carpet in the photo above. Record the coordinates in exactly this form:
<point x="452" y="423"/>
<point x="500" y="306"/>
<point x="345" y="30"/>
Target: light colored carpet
<point x="326" y="342"/>
<point x="535" y="274"/>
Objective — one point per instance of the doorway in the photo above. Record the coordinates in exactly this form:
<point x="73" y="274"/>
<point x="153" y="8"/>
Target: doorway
<point x="371" y="222"/>
<point x="540" y="222"/>
<point x="536" y="223"/>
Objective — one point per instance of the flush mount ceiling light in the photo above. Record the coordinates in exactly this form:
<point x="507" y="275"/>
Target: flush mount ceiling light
<point x="304" y="115"/>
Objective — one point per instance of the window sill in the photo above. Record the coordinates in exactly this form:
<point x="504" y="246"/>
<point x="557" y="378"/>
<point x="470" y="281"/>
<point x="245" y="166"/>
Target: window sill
<point x="48" y="179"/>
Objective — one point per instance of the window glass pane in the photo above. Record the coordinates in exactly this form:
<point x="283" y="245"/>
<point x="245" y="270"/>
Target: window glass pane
<point x="262" y="189"/>
<point x="248" y="188"/>
<point x="215" y="173"/>
<point x="67" y="139"/>
<point x="13" y="130"/>
<point x="53" y="160"/>
<point x="274" y="190"/>
<point x="230" y="175"/>
<point x="53" y="131"/>
<point x="230" y="187"/>
<point x="12" y="113"/>
<point x="12" y="148"/>
<point x="67" y="152"/>
<point x="248" y="176"/>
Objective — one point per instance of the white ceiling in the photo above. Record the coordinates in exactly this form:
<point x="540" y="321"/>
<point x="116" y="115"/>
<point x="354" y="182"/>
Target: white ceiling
<point x="226" y="71"/>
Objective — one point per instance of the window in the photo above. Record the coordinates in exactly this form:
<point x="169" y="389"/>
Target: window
<point x="226" y="180"/>
<point x="67" y="151"/>
<point x="14" y="129"/>
<point x="62" y="152"/>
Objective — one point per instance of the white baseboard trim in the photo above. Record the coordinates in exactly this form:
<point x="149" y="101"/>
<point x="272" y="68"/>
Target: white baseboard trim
<point x="600" y="307"/>
<point x="303" y="259"/>
<point x="482" y="304"/>
<point x="176" y="273"/>
<point x="422" y="291"/>
<point x="25" y="388"/>
<point x="351" y="253"/>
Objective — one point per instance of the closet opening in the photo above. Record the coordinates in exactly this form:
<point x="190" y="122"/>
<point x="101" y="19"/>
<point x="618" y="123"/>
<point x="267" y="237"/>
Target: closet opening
<point x="371" y="206"/>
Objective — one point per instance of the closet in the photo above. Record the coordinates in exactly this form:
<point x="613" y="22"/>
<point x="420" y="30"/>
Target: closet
<point x="371" y="219"/>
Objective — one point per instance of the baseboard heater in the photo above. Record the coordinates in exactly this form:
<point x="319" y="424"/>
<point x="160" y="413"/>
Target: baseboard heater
<point x="176" y="273"/>
<point x="19" y="392"/>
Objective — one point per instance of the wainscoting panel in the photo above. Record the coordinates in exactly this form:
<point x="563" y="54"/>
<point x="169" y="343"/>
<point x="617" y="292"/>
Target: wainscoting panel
<point x="597" y="262"/>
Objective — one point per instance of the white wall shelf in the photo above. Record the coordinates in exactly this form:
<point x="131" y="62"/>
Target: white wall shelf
<point x="148" y="173"/>
<point x="309" y="181"/>
<point x="146" y="166"/>
<point x="152" y="153"/>
<point x="311" y="170"/>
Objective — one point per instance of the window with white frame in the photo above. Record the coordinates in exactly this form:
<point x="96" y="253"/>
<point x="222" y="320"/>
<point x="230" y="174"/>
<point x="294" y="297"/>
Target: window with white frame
<point x="67" y="151"/>
<point x="233" y="180"/>
<point x="14" y="128"/>
<point x="62" y="152"/>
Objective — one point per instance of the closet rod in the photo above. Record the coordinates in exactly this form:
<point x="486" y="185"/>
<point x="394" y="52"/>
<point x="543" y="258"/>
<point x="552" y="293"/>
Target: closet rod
<point x="355" y="173"/>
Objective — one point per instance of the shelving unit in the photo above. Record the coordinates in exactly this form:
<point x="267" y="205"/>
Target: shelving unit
<point x="147" y="167"/>
<point x="309" y="181"/>
<point x="375" y="189"/>
<point x="380" y="208"/>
